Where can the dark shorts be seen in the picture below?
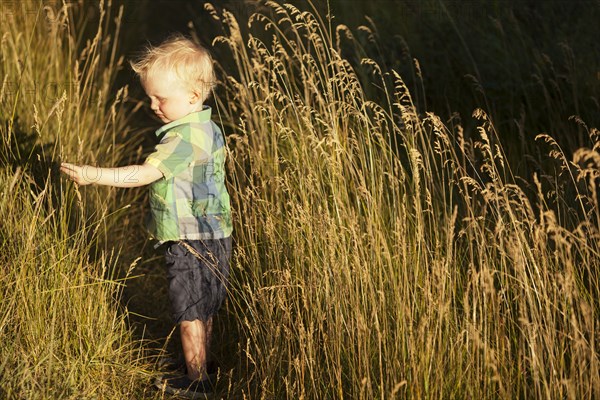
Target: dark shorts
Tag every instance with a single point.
(198, 278)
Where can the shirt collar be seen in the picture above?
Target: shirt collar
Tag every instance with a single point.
(197, 117)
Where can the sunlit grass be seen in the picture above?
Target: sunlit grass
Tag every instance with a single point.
(382, 254)
(64, 332)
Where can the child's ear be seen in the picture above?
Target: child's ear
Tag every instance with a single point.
(195, 97)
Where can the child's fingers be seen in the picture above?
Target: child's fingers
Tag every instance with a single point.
(67, 166)
(69, 169)
(75, 173)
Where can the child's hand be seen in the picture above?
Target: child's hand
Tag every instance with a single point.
(75, 172)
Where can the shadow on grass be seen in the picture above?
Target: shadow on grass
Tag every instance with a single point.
(22, 151)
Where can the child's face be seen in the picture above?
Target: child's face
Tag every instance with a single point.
(169, 98)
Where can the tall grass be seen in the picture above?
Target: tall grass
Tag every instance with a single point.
(63, 331)
(531, 67)
(385, 254)
(382, 253)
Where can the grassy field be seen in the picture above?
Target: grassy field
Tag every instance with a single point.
(381, 251)
(64, 331)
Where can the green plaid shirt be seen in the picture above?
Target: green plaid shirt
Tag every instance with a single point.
(190, 201)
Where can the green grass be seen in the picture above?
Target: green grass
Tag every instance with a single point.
(64, 329)
(381, 252)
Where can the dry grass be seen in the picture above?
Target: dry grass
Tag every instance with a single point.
(382, 254)
(64, 332)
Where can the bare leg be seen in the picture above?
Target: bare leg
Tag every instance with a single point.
(195, 336)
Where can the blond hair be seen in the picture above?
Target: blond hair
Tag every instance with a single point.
(188, 61)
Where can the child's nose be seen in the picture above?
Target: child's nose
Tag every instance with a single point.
(154, 105)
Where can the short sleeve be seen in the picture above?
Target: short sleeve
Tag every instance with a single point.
(171, 156)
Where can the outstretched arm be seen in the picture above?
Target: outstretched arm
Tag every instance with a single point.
(129, 176)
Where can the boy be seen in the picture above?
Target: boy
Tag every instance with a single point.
(188, 199)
